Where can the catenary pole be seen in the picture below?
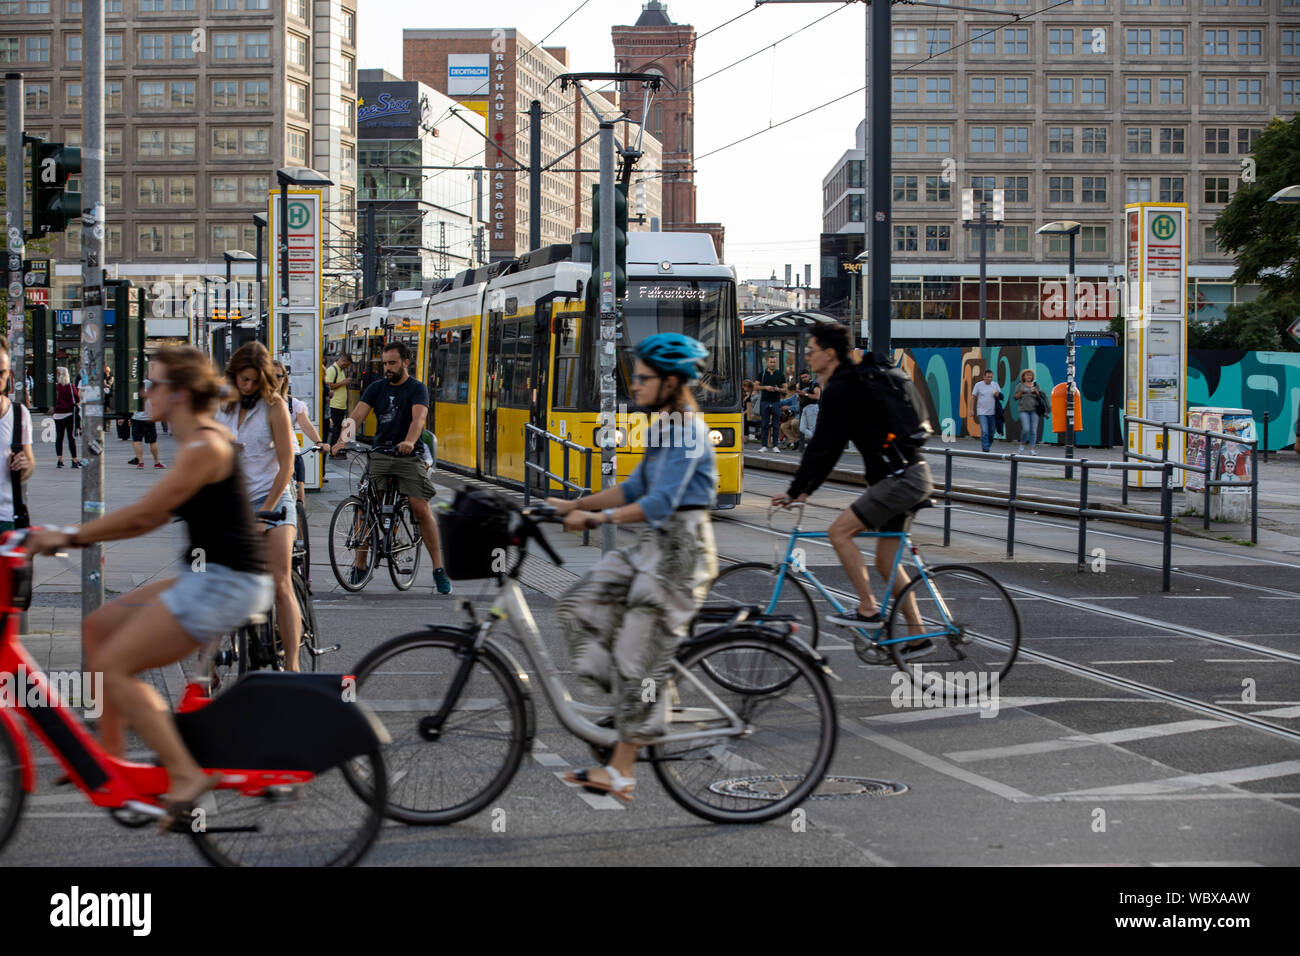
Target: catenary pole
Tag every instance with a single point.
(608, 322)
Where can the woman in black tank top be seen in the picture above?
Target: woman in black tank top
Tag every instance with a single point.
(224, 583)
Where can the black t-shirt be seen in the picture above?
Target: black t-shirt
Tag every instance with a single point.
(392, 405)
(771, 378)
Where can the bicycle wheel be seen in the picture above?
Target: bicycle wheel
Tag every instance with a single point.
(230, 661)
(305, 540)
(404, 548)
(753, 583)
(12, 794)
(787, 746)
(354, 543)
(971, 621)
(324, 822)
(439, 777)
(308, 650)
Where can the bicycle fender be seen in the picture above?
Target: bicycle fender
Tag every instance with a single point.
(525, 686)
(271, 720)
(14, 728)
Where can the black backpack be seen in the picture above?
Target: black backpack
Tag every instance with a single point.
(892, 390)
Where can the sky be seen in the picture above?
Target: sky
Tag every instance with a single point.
(767, 191)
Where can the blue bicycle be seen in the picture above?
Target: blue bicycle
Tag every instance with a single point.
(965, 616)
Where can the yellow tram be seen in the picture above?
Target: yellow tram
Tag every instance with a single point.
(515, 342)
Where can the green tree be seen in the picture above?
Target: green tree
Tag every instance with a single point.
(1264, 236)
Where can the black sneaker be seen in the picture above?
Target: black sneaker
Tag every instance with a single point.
(857, 619)
(916, 649)
(134, 461)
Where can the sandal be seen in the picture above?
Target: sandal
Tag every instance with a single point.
(618, 786)
(179, 813)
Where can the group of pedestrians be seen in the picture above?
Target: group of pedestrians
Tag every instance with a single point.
(1030, 404)
(785, 411)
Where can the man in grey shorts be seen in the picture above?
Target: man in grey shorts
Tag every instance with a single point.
(898, 478)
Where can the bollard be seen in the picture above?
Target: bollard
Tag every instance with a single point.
(947, 499)
(1254, 491)
(1209, 476)
(1167, 512)
(1011, 510)
(1266, 434)
(1123, 495)
(586, 453)
(1083, 506)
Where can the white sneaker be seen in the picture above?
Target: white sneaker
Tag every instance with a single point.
(1020, 450)
(1034, 452)
(777, 449)
(764, 449)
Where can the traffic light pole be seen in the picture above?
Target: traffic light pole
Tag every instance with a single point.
(92, 299)
(608, 323)
(14, 227)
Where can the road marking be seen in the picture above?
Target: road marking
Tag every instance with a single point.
(935, 763)
(1085, 740)
(1196, 597)
(550, 760)
(601, 802)
(1134, 662)
(1246, 660)
(1279, 712)
(1195, 781)
(935, 713)
(1015, 750)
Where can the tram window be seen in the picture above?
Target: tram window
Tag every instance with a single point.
(524, 366)
(453, 366)
(509, 335)
(567, 338)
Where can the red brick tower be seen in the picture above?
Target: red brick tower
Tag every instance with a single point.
(657, 45)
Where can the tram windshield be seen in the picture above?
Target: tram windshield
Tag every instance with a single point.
(701, 308)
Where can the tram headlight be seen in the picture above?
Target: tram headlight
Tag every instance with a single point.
(600, 434)
(722, 436)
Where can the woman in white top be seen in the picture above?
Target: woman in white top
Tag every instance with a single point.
(259, 419)
(297, 416)
(23, 462)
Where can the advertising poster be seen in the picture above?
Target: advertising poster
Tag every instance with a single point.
(1163, 372)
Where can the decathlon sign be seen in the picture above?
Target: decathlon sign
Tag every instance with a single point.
(467, 74)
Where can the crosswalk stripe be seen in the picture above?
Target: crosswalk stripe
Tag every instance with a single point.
(1279, 712)
(912, 715)
(1194, 781)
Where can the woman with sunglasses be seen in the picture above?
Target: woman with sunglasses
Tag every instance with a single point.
(259, 419)
(224, 583)
(297, 416)
(23, 462)
(624, 620)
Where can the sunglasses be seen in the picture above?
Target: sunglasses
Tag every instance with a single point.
(642, 379)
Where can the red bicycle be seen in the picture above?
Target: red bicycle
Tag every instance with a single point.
(277, 739)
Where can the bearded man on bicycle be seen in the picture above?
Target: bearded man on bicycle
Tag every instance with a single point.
(401, 406)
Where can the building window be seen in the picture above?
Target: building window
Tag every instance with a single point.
(225, 190)
(349, 72)
(37, 96)
(905, 139)
(1171, 189)
(298, 8)
(183, 6)
(255, 187)
(855, 208)
(180, 237)
(180, 142)
(1093, 239)
(1138, 140)
(1093, 41)
(1289, 88)
(905, 238)
(8, 49)
(151, 6)
(38, 49)
(1216, 189)
(905, 41)
(297, 145)
(938, 89)
(297, 51)
(1015, 238)
(1092, 189)
(151, 95)
(112, 47)
(149, 239)
(225, 5)
(182, 94)
(904, 189)
(257, 4)
(1138, 189)
(1060, 90)
(1015, 189)
(1216, 43)
(1171, 91)
(1250, 92)
(257, 46)
(983, 89)
(113, 143)
(1249, 43)
(225, 143)
(113, 190)
(1015, 89)
(349, 28)
(1137, 42)
(1172, 141)
(1060, 42)
(225, 94)
(257, 94)
(113, 96)
(1291, 42)
(906, 89)
(1216, 91)
(1138, 90)
(150, 143)
(938, 238)
(938, 40)
(149, 191)
(1060, 189)
(983, 42)
(73, 48)
(183, 46)
(1060, 139)
(256, 141)
(983, 139)
(936, 190)
(982, 188)
(1216, 139)
(71, 97)
(1092, 91)
(225, 46)
(1246, 140)
(1210, 241)
(1015, 41)
(938, 139)
(297, 98)
(1171, 43)
(1015, 139)
(153, 46)
(180, 190)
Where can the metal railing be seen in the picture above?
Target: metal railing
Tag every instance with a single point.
(1083, 513)
(534, 434)
(1206, 469)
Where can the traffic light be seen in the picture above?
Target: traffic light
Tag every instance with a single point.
(52, 206)
(620, 236)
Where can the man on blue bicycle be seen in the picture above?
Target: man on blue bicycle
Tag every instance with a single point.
(898, 478)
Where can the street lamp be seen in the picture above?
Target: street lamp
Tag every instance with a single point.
(983, 225)
(1067, 227)
(1288, 194)
(291, 176)
(260, 221)
(232, 256)
(205, 334)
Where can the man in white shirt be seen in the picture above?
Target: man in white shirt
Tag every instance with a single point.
(986, 395)
(144, 431)
(23, 462)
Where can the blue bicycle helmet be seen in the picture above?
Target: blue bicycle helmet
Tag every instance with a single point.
(671, 353)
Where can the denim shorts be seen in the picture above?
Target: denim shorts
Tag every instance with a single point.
(216, 600)
(288, 501)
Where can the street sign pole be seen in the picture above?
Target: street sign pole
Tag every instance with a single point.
(14, 223)
(608, 324)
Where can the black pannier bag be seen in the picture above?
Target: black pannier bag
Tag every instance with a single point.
(475, 534)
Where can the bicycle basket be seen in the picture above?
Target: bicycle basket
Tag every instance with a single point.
(475, 534)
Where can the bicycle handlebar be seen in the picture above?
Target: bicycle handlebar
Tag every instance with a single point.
(270, 516)
(772, 511)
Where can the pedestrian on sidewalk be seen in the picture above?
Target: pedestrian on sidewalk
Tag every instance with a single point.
(22, 463)
(144, 432)
(298, 416)
(769, 409)
(66, 399)
(986, 396)
(337, 382)
(790, 417)
(1033, 403)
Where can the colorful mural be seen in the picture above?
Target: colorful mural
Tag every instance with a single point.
(1259, 381)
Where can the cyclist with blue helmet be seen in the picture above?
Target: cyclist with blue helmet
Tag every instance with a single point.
(624, 620)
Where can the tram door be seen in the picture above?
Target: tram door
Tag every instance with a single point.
(493, 369)
(539, 376)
